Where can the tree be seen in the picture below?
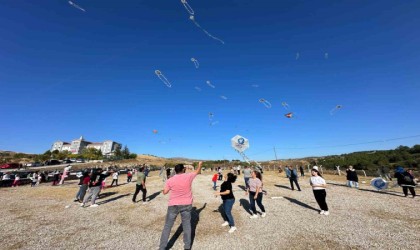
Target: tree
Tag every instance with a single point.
(125, 152)
(117, 151)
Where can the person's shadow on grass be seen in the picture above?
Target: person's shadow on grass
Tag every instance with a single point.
(245, 204)
(153, 196)
(195, 218)
(112, 199)
(300, 203)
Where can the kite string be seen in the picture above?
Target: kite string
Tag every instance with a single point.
(205, 31)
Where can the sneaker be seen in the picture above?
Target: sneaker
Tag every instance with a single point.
(94, 205)
(322, 212)
(225, 224)
(145, 202)
(263, 215)
(76, 200)
(82, 205)
(326, 213)
(232, 229)
(254, 216)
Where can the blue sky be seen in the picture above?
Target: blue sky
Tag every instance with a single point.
(66, 73)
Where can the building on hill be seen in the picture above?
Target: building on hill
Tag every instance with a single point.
(76, 146)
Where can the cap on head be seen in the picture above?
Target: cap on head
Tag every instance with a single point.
(315, 168)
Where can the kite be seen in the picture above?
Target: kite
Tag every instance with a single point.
(187, 7)
(326, 55)
(155, 131)
(196, 64)
(266, 103)
(223, 97)
(205, 31)
(163, 78)
(335, 109)
(210, 85)
(76, 6)
(289, 115)
(212, 123)
(285, 105)
(255, 85)
(198, 89)
(297, 56)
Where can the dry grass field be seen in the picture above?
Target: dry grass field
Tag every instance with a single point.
(46, 217)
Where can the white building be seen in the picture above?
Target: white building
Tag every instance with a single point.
(76, 146)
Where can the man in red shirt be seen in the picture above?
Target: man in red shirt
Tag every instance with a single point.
(180, 202)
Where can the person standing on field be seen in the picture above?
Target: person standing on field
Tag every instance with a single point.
(180, 202)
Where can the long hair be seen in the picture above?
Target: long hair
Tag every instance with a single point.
(258, 174)
(231, 178)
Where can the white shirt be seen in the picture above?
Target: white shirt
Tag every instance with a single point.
(115, 176)
(317, 180)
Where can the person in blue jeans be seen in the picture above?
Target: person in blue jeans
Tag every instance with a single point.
(228, 199)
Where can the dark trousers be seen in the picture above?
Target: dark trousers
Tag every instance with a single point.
(258, 200)
(116, 182)
(138, 188)
(220, 177)
(320, 196)
(295, 181)
(129, 178)
(173, 211)
(412, 191)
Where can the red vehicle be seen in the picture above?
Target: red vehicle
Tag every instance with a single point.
(10, 165)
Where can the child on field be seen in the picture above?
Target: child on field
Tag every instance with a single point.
(214, 180)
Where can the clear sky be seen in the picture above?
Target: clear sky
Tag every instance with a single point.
(66, 73)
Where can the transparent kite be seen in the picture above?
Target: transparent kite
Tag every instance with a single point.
(255, 85)
(210, 85)
(297, 56)
(76, 6)
(196, 64)
(198, 89)
(266, 103)
(335, 109)
(205, 31)
(163, 78)
(326, 55)
(223, 97)
(285, 105)
(211, 116)
(187, 7)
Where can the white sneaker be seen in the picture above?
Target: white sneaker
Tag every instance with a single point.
(94, 205)
(225, 224)
(263, 215)
(326, 213)
(82, 205)
(232, 229)
(254, 216)
(145, 202)
(322, 212)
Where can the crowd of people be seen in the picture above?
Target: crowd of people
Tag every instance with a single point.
(178, 184)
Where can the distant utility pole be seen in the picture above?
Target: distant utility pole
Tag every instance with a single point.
(275, 153)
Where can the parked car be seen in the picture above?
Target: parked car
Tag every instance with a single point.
(66, 161)
(10, 165)
(34, 164)
(80, 160)
(52, 162)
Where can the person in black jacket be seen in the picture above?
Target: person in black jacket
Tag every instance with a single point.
(352, 178)
(95, 183)
(405, 180)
